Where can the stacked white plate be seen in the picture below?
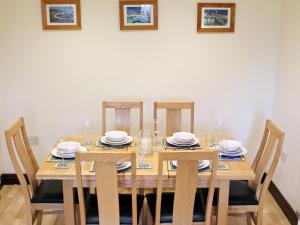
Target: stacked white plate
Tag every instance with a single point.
(232, 148)
(67, 149)
(116, 138)
(203, 164)
(183, 139)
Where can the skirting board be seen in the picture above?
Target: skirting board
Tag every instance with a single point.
(11, 179)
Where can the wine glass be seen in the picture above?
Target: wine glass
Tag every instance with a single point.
(218, 132)
(156, 137)
(87, 132)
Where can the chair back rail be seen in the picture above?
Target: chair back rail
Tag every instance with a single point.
(19, 148)
(186, 184)
(173, 115)
(268, 155)
(122, 114)
(107, 192)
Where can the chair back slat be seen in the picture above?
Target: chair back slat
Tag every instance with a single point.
(122, 114)
(107, 188)
(174, 115)
(186, 183)
(25, 160)
(173, 121)
(107, 184)
(19, 148)
(185, 189)
(122, 120)
(267, 159)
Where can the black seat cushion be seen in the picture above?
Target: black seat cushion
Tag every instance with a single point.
(125, 201)
(239, 194)
(49, 191)
(167, 202)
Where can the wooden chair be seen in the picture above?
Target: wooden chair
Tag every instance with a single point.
(185, 206)
(115, 208)
(122, 114)
(173, 117)
(39, 196)
(249, 197)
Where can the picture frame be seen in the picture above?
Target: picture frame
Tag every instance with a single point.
(216, 17)
(138, 14)
(61, 14)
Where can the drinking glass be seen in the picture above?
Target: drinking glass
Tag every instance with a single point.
(143, 144)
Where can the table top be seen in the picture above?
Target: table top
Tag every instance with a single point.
(237, 170)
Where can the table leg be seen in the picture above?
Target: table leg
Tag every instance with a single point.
(222, 217)
(69, 205)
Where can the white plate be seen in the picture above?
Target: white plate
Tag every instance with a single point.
(202, 164)
(116, 136)
(183, 137)
(68, 146)
(115, 142)
(124, 166)
(55, 153)
(105, 141)
(171, 141)
(242, 152)
(230, 145)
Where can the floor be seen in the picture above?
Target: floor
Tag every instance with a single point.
(12, 211)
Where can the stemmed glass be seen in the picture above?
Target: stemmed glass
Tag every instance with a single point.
(87, 132)
(156, 138)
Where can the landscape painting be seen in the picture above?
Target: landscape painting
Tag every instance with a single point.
(216, 17)
(138, 15)
(61, 14)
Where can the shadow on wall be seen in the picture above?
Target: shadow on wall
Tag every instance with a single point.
(255, 135)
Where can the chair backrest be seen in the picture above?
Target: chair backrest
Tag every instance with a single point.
(173, 115)
(19, 149)
(186, 184)
(269, 152)
(107, 184)
(122, 114)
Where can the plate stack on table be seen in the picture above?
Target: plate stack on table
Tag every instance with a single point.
(116, 139)
(182, 140)
(67, 149)
(231, 150)
(203, 164)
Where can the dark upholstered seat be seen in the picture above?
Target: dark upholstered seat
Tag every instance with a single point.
(125, 201)
(167, 202)
(239, 194)
(49, 191)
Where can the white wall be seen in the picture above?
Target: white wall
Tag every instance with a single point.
(57, 79)
(286, 101)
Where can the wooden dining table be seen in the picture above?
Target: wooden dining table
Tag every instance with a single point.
(146, 179)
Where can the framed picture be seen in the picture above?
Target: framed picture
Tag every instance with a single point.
(138, 15)
(61, 14)
(216, 17)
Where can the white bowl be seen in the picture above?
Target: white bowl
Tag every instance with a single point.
(116, 136)
(183, 137)
(68, 146)
(230, 145)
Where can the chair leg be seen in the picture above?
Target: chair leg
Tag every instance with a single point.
(259, 219)
(39, 218)
(249, 219)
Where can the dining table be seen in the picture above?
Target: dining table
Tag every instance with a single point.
(146, 178)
